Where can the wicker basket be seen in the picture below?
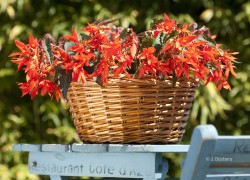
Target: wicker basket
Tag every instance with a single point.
(145, 111)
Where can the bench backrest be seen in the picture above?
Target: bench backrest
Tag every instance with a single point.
(213, 157)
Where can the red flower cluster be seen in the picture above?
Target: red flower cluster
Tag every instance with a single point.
(99, 51)
(39, 71)
(185, 51)
(104, 48)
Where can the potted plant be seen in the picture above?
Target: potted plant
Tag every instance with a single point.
(124, 87)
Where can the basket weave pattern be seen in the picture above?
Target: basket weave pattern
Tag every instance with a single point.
(131, 111)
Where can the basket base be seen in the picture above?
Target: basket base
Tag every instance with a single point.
(170, 137)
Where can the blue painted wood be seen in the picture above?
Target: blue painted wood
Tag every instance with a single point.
(233, 144)
(130, 165)
(46, 152)
(52, 177)
(27, 147)
(228, 177)
(171, 148)
(124, 165)
(39, 155)
(214, 157)
(94, 148)
(56, 148)
(201, 146)
(86, 148)
(209, 157)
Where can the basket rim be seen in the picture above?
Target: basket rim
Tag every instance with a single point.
(149, 79)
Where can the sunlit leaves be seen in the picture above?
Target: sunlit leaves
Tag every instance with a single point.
(209, 103)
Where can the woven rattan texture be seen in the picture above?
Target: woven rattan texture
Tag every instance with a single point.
(143, 111)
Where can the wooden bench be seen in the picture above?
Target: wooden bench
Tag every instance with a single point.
(213, 157)
(99, 160)
(209, 156)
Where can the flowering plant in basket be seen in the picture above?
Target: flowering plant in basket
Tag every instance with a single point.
(100, 51)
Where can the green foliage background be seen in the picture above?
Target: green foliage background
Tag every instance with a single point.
(46, 121)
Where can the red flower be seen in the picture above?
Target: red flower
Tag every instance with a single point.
(185, 40)
(31, 88)
(150, 63)
(101, 51)
(73, 37)
(147, 53)
(91, 29)
(33, 42)
(168, 24)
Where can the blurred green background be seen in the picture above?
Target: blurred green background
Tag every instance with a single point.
(46, 121)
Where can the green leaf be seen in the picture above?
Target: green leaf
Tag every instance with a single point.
(47, 49)
(174, 79)
(209, 41)
(172, 34)
(97, 55)
(93, 63)
(67, 45)
(159, 42)
(63, 79)
(105, 22)
(98, 80)
(84, 36)
(154, 22)
(147, 42)
(125, 32)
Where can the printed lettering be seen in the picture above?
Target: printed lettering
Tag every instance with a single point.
(98, 169)
(139, 173)
(101, 169)
(81, 168)
(241, 147)
(122, 171)
(59, 169)
(132, 173)
(70, 169)
(53, 169)
(94, 169)
(91, 170)
(44, 168)
(246, 148)
(76, 169)
(111, 170)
